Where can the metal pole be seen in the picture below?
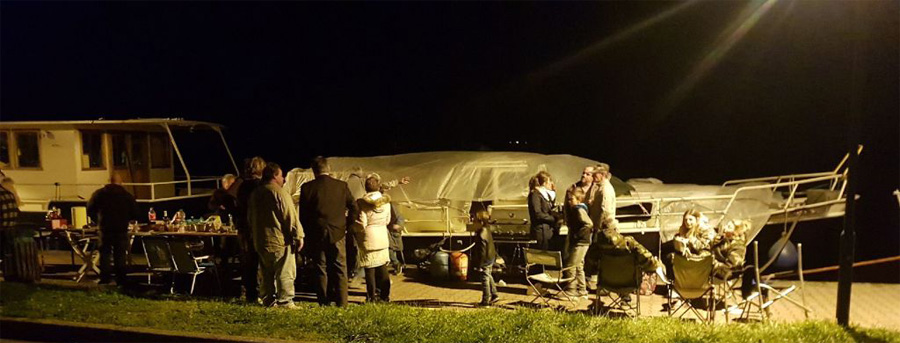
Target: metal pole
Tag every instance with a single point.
(848, 245)
(848, 235)
(180, 158)
(228, 150)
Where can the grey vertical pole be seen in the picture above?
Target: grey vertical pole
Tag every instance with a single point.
(848, 235)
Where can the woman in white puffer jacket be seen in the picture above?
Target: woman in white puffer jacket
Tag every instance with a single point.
(372, 237)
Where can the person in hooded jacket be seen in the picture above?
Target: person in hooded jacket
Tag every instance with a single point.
(371, 229)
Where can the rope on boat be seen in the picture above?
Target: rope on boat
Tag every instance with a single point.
(832, 268)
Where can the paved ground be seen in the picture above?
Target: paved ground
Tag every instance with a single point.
(873, 305)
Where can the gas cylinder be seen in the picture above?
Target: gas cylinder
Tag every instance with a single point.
(459, 262)
(440, 265)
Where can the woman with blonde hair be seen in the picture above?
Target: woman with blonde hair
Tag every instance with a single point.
(695, 235)
(373, 239)
(729, 247)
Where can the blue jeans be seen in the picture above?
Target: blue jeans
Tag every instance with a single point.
(489, 287)
(576, 258)
(279, 272)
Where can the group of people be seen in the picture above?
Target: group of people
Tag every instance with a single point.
(329, 218)
(589, 212)
(273, 228)
(697, 239)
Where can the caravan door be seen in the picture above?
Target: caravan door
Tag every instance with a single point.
(130, 159)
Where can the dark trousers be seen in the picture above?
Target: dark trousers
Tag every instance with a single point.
(542, 234)
(378, 283)
(113, 250)
(249, 269)
(330, 260)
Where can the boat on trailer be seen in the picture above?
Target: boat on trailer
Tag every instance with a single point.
(61, 163)
(447, 187)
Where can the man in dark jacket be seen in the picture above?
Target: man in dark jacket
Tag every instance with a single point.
(222, 202)
(484, 254)
(249, 257)
(113, 208)
(325, 205)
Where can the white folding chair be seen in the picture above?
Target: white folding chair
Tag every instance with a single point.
(554, 277)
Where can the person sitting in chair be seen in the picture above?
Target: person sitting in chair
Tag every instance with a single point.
(694, 237)
(610, 240)
(729, 248)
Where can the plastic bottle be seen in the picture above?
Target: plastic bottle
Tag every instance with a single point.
(151, 216)
(165, 216)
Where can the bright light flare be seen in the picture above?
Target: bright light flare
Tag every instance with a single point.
(747, 19)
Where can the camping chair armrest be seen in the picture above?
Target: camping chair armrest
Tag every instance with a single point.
(200, 258)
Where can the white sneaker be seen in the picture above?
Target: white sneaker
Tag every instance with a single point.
(288, 305)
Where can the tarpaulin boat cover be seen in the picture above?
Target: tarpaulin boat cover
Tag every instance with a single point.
(456, 175)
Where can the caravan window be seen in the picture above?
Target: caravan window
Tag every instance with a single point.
(27, 149)
(4, 148)
(92, 150)
(160, 153)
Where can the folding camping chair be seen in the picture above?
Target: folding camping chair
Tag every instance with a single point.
(159, 259)
(187, 263)
(692, 282)
(726, 289)
(757, 303)
(544, 258)
(619, 274)
(84, 245)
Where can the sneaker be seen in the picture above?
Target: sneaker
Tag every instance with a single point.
(662, 275)
(287, 305)
(495, 298)
(483, 304)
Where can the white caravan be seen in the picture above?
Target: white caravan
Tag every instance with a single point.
(66, 161)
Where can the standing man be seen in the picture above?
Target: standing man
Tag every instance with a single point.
(601, 202)
(277, 236)
(222, 201)
(585, 183)
(249, 258)
(113, 208)
(325, 205)
(9, 213)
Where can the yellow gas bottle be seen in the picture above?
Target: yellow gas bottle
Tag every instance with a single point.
(459, 263)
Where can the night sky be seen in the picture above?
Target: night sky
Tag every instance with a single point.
(685, 92)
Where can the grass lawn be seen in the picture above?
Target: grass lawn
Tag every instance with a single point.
(395, 323)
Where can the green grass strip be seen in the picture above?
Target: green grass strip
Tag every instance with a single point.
(396, 323)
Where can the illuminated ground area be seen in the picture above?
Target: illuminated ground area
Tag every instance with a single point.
(873, 304)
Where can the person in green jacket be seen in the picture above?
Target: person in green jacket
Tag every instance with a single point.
(277, 236)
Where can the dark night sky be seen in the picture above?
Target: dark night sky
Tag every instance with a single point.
(599, 80)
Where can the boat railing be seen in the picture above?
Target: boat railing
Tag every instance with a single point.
(35, 193)
(840, 169)
(792, 201)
